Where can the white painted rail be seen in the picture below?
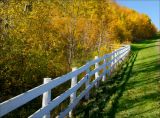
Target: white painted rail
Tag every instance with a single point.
(110, 61)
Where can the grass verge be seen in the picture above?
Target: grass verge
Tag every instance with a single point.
(133, 92)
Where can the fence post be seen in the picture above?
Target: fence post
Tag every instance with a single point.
(46, 97)
(73, 95)
(104, 71)
(118, 57)
(96, 73)
(121, 56)
(87, 83)
(115, 60)
(108, 67)
(112, 63)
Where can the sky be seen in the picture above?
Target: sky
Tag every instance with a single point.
(149, 7)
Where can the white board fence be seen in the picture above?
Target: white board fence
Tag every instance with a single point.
(110, 62)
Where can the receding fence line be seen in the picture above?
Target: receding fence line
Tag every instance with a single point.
(110, 62)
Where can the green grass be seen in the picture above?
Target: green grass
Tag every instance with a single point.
(132, 93)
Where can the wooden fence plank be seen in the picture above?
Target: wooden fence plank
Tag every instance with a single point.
(55, 102)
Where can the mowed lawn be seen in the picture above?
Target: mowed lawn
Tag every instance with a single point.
(141, 97)
(134, 92)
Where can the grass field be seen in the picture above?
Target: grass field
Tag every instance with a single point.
(134, 92)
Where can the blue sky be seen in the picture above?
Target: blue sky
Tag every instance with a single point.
(149, 7)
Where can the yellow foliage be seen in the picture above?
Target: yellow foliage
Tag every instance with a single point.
(45, 38)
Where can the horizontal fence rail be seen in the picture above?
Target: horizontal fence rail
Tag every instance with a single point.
(110, 62)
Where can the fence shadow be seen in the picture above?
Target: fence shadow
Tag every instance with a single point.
(123, 77)
(104, 100)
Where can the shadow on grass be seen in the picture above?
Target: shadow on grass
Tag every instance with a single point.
(108, 93)
(142, 44)
(135, 48)
(148, 41)
(147, 111)
(138, 101)
(104, 101)
(124, 77)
